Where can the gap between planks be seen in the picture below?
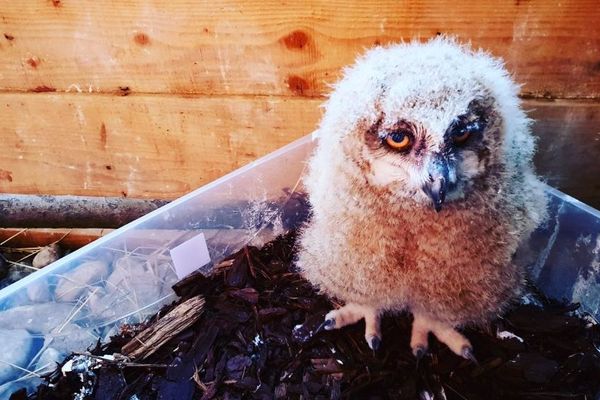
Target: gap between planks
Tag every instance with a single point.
(39, 237)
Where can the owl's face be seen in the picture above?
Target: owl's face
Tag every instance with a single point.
(427, 122)
(433, 151)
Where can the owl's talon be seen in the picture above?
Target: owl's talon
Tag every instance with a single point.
(329, 324)
(419, 352)
(467, 354)
(350, 314)
(444, 332)
(418, 338)
(374, 343)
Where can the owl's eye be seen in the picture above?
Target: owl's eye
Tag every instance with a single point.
(461, 136)
(398, 140)
(462, 132)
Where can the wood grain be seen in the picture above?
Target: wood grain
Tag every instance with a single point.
(43, 211)
(68, 238)
(161, 147)
(270, 47)
(157, 147)
(166, 328)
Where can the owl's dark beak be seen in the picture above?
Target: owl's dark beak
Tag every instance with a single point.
(439, 176)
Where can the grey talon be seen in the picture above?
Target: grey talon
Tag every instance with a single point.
(375, 343)
(329, 324)
(419, 352)
(467, 353)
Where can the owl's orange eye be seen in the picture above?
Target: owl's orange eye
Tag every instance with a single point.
(398, 140)
(462, 131)
(461, 138)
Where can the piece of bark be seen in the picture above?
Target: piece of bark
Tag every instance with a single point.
(151, 339)
(237, 275)
(249, 295)
(192, 285)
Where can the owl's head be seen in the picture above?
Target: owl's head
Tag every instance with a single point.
(432, 122)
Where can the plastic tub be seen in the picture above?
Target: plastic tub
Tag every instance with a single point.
(126, 276)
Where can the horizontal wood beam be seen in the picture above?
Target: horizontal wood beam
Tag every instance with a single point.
(153, 147)
(34, 237)
(161, 147)
(270, 47)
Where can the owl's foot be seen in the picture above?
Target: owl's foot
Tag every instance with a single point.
(445, 333)
(352, 313)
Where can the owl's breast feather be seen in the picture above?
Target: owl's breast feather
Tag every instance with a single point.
(456, 262)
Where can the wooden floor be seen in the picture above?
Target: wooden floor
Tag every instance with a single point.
(152, 99)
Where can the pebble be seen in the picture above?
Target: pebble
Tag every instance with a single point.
(132, 286)
(48, 360)
(71, 338)
(47, 255)
(17, 349)
(39, 292)
(79, 282)
(36, 318)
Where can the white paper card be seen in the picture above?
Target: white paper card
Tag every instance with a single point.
(190, 255)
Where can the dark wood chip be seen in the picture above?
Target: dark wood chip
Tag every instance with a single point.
(265, 314)
(237, 275)
(249, 295)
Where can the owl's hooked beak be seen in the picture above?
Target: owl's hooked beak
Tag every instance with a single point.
(439, 180)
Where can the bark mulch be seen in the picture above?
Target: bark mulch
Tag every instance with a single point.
(252, 330)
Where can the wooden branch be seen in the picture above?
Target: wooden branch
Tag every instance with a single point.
(17, 210)
(151, 339)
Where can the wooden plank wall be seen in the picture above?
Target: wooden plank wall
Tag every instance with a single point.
(154, 98)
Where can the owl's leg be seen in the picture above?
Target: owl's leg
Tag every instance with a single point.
(419, 337)
(445, 333)
(352, 313)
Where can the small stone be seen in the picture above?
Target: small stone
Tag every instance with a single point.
(71, 338)
(47, 255)
(37, 318)
(129, 290)
(48, 360)
(39, 292)
(79, 282)
(16, 350)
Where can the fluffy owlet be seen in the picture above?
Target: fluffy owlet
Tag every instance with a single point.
(421, 188)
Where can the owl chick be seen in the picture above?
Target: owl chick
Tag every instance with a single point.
(421, 188)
